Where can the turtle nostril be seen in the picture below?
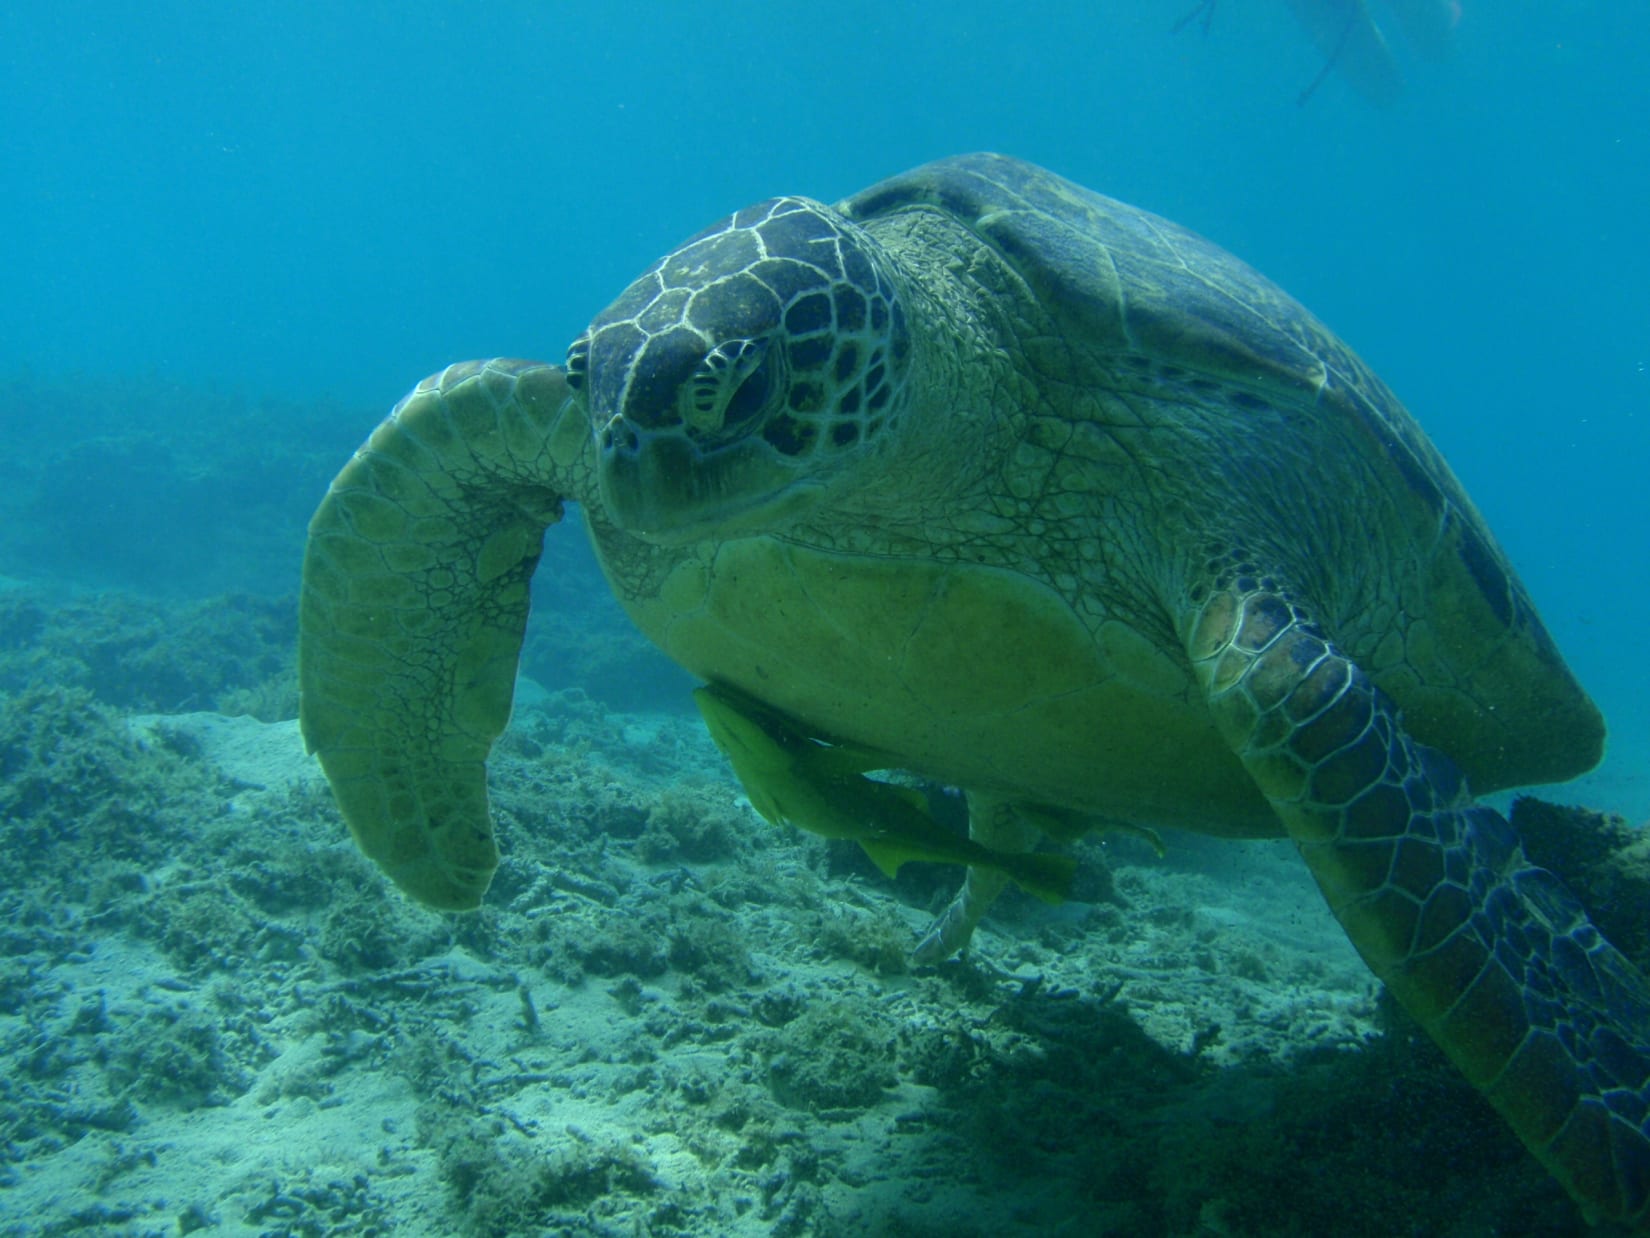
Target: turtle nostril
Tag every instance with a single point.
(618, 435)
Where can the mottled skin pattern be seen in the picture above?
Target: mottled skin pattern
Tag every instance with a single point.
(1057, 503)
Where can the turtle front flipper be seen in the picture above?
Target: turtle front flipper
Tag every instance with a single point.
(1493, 956)
(414, 601)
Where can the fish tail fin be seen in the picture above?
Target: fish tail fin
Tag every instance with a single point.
(1043, 876)
(887, 856)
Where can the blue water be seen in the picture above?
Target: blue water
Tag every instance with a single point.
(232, 235)
(317, 202)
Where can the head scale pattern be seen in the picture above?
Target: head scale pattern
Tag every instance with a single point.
(779, 323)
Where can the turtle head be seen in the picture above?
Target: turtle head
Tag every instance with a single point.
(731, 383)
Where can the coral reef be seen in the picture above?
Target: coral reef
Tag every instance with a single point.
(232, 654)
(673, 1019)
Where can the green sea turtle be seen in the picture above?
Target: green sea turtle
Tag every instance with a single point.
(1047, 499)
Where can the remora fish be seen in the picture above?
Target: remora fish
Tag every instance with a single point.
(822, 788)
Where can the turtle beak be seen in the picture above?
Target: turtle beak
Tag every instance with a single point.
(647, 479)
(666, 488)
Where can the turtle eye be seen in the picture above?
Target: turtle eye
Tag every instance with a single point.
(730, 386)
(752, 396)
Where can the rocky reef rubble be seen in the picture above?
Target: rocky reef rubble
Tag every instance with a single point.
(669, 1018)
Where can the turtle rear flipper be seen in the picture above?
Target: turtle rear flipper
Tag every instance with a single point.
(1491, 954)
(1001, 825)
(414, 601)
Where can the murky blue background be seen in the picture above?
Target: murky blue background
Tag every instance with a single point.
(319, 204)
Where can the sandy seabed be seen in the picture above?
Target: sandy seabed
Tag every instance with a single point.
(671, 1019)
